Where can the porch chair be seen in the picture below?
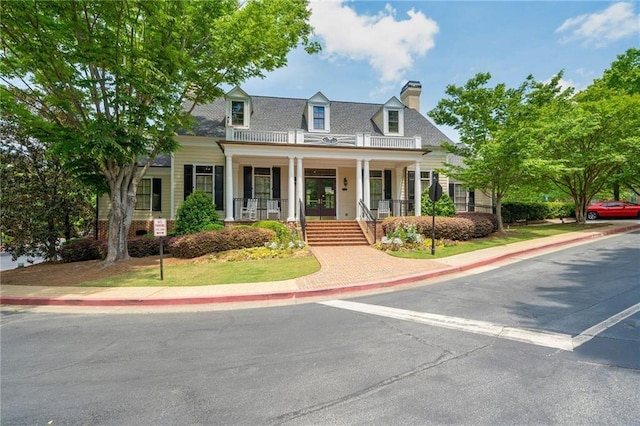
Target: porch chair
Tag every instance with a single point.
(251, 210)
(383, 209)
(273, 208)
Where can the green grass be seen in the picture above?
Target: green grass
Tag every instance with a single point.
(214, 273)
(514, 235)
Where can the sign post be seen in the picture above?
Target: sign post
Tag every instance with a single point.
(160, 230)
(435, 193)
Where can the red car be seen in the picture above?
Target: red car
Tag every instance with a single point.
(613, 209)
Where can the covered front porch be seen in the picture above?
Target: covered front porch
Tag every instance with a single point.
(263, 181)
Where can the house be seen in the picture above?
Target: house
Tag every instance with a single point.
(282, 158)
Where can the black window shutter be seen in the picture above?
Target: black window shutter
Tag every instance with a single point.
(452, 190)
(387, 184)
(411, 185)
(156, 194)
(188, 180)
(218, 185)
(248, 188)
(275, 176)
(472, 201)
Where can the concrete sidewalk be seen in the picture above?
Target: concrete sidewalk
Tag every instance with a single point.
(345, 270)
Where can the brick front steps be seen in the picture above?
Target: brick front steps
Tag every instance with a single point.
(335, 233)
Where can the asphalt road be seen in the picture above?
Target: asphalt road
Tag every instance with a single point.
(550, 340)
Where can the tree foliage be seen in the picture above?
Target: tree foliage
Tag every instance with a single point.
(592, 141)
(107, 82)
(41, 201)
(494, 124)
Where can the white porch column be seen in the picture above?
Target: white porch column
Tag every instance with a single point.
(418, 191)
(398, 192)
(291, 208)
(358, 189)
(228, 189)
(367, 185)
(299, 186)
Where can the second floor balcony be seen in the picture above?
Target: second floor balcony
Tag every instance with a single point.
(295, 137)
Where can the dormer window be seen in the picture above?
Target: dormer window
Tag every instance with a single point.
(238, 108)
(318, 118)
(393, 119)
(318, 113)
(237, 113)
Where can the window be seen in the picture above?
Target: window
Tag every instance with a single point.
(237, 113)
(148, 196)
(375, 187)
(459, 197)
(318, 117)
(394, 121)
(204, 179)
(425, 181)
(262, 183)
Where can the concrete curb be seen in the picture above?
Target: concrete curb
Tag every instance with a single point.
(300, 294)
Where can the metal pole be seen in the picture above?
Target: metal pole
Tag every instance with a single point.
(161, 265)
(433, 227)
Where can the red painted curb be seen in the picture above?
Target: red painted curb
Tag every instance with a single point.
(289, 295)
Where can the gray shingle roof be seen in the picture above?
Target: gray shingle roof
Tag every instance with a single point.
(282, 114)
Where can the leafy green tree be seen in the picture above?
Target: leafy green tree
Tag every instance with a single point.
(196, 213)
(41, 200)
(111, 82)
(584, 141)
(622, 78)
(494, 128)
(444, 206)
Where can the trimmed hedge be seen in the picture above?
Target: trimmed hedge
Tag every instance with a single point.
(450, 228)
(485, 223)
(514, 211)
(195, 245)
(147, 246)
(83, 249)
(283, 234)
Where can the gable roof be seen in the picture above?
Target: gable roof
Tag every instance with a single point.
(283, 114)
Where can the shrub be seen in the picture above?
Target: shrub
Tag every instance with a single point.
(485, 223)
(283, 235)
(83, 249)
(213, 227)
(449, 228)
(444, 206)
(514, 211)
(195, 213)
(195, 245)
(146, 246)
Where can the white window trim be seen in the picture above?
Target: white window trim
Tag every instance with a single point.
(150, 195)
(400, 122)
(247, 113)
(213, 178)
(327, 117)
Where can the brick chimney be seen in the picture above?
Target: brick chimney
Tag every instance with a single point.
(410, 94)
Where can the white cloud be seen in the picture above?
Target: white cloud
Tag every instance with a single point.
(389, 45)
(601, 28)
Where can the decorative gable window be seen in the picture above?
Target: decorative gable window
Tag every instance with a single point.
(238, 108)
(318, 113)
(390, 118)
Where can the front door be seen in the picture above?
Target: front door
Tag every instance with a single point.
(320, 197)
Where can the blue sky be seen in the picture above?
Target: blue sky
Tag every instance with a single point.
(371, 48)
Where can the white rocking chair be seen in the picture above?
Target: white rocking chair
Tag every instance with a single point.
(383, 209)
(273, 209)
(250, 212)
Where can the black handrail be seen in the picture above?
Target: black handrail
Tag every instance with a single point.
(303, 221)
(370, 220)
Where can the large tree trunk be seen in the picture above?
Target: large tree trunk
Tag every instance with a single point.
(123, 200)
(581, 209)
(499, 213)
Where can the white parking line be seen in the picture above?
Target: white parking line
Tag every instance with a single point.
(561, 341)
(592, 332)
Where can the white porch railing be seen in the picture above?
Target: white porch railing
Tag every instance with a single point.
(327, 139)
